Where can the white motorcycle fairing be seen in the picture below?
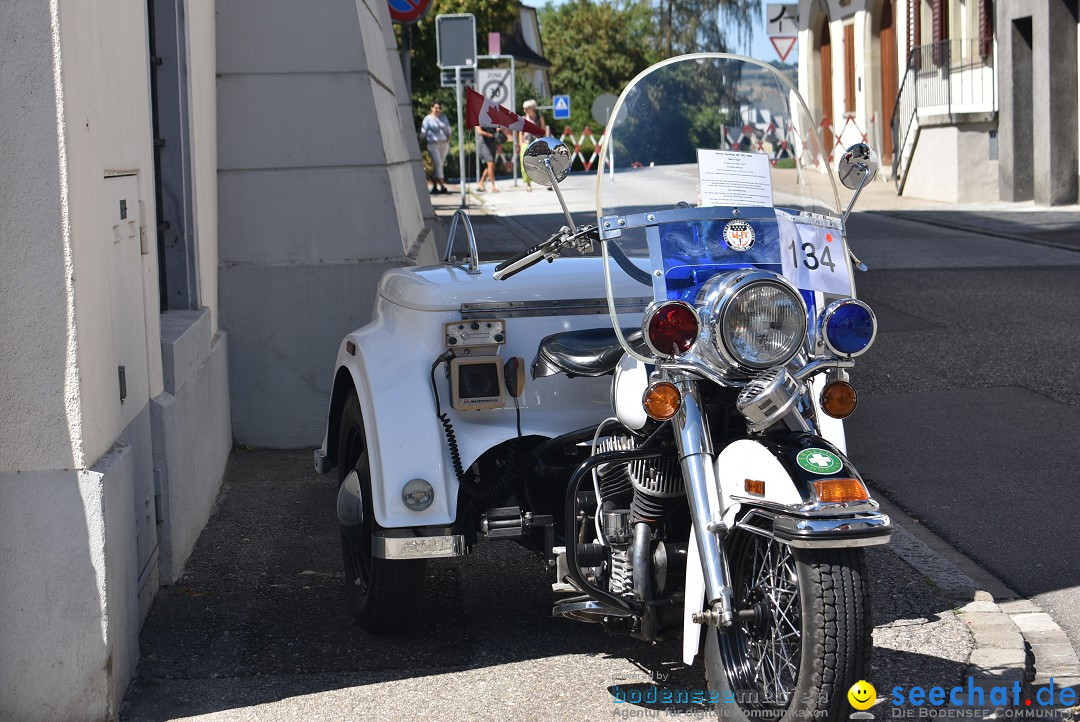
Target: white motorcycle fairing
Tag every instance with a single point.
(395, 383)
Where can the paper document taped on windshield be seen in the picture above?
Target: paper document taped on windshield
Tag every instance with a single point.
(734, 178)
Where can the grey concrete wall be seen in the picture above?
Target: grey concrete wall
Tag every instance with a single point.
(978, 173)
(320, 190)
(1038, 91)
(191, 431)
(69, 596)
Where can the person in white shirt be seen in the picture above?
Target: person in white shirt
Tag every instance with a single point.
(435, 131)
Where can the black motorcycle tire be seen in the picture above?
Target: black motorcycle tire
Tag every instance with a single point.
(834, 640)
(383, 594)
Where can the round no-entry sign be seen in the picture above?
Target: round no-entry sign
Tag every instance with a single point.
(408, 11)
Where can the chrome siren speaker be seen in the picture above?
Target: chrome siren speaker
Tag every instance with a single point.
(767, 398)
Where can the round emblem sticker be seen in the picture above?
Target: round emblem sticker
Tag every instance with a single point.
(819, 461)
(739, 235)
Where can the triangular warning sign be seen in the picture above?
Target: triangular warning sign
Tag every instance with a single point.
(560, 103)
(783, 47)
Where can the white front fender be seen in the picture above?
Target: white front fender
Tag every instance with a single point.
(739, 461)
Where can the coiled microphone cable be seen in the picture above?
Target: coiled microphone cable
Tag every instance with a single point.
(444, 419)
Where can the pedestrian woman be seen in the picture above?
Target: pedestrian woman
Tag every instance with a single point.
(533, 115)
(435, 131)
(488, 148)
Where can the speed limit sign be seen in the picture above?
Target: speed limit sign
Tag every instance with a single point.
(496, 84)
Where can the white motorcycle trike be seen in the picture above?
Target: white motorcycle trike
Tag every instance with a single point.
(659, 422)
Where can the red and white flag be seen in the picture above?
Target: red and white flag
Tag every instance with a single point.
(480, 110)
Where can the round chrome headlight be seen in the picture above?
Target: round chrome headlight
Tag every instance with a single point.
(760, 319)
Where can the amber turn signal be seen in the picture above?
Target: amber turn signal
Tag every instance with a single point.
(839, 399)
(662, 400)
(755, 487)
(840, 490)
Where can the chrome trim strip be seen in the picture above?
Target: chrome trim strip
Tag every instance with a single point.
(418, 547)
(322, 465)
(553, 307)
(820, 365)
(849, 531)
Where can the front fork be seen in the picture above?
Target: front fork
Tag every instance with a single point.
(696, 457)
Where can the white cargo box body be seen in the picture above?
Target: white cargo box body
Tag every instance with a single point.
(393, 380)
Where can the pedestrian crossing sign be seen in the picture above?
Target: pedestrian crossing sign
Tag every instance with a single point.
(561, 105)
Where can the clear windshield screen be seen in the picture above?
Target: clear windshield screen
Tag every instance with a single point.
(714, 163)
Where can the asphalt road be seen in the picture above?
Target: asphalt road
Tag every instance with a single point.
(968, 420)
(968, 414)
(257, 628)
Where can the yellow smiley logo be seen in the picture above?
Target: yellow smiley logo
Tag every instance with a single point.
(862, 695)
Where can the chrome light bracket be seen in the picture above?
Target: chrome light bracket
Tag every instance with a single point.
(827, 315)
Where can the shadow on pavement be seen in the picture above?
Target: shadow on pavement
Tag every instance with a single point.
(260, 616)
(1046, 226)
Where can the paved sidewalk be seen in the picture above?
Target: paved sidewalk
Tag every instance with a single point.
(257, 628)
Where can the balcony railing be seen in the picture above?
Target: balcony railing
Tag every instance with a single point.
(941, 79)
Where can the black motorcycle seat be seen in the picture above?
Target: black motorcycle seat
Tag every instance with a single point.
(585, 352)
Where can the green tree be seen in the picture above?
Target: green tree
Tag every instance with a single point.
(691, 26)
(595, 48)
(491, 16)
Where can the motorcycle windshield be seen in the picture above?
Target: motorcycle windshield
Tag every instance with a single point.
(714, 163)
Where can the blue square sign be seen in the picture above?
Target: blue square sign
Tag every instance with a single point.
(561, 105)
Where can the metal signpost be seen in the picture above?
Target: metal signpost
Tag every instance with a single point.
(455, 39)
(497, 84)
(601, 113)
(405, 13)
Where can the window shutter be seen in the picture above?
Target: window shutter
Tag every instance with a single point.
(941, 21)
(986, 29)
(941, 32)
(914, 6)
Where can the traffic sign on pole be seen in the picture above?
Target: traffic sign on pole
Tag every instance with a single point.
(408, 11)
(783, 46)
(561, 106)
(602, 107)
(496, 84)
(455, 40)
(446, 78)
(783, 20)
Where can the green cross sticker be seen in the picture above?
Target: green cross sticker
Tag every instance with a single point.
(819, 461)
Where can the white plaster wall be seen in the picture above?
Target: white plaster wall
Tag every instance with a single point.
(76, 495)
(933, 173)
(107, 130)
(54, 664)
(36, 427)
(202, 76)
(977, 174)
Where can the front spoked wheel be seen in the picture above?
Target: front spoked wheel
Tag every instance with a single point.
(809, 639)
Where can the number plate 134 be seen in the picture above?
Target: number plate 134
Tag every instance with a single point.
(814, 260)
